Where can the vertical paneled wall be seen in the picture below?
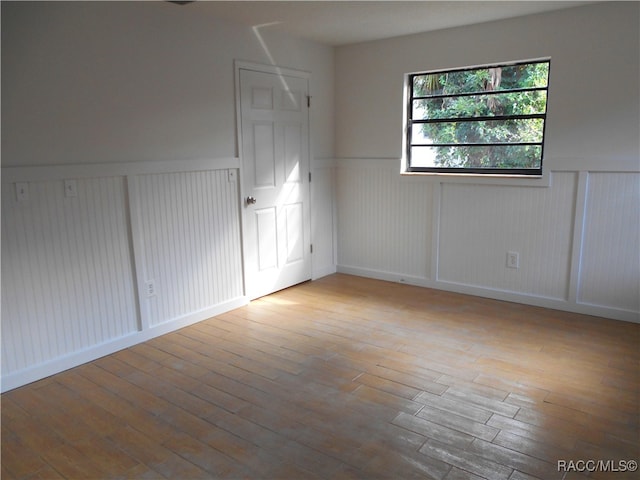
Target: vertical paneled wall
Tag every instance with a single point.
(455, 236)
(480, 224)
(189, 235)
(611, 249)
(384, 221)
(76, 269)
(67, 281)
(323, 217)
(577, 238)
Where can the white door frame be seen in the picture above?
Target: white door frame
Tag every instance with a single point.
(276, 70)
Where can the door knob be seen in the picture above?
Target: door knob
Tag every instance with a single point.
(251, 200)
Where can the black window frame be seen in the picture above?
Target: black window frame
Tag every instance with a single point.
(409, 121)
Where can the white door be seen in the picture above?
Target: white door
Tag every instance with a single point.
(274, 122)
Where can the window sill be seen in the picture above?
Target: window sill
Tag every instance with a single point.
(543, 180)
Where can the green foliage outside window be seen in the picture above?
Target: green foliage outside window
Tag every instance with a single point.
(483, 118)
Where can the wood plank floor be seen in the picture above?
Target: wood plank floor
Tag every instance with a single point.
(343, 377)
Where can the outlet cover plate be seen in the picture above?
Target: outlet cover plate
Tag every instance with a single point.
(513, 260)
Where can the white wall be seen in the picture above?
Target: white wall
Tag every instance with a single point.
(593, 91)
(136, 102)
(577, 238)
(94, 82)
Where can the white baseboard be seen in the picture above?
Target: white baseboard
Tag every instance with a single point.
(38, 372)
(323, 271)
(193, 317)
(382, 275)
(504, 295)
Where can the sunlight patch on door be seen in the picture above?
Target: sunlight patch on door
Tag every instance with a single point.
(294, 228)
(291, 100)
(292, 147)
(265, 158)
(266, 228)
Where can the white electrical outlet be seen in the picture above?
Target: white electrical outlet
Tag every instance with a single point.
(150, 288)
(22, 191)
(513, 260)
(70, 188)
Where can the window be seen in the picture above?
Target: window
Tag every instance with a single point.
(481, 120)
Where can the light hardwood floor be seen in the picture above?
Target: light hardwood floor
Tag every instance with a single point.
(343, 377)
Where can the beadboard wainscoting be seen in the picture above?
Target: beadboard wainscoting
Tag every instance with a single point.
(611, 242)
(323, 217)
(132, 252)
(187, 233)
(67, 276)
(384, 222)
(577, 239)
(136, 250)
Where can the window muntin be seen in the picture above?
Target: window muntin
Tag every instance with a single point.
(488, 119)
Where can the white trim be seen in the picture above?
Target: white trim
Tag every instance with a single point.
(194, 317)
(37, 372)
(565, 164)
(551, 164)
(539, 301)
(496, 294)
(543, 180)
(580, 211)
(60, 364)
(383, 275)
(435, 230)
(265, 68)
(139, 260)
(241, 193)
(38, 173)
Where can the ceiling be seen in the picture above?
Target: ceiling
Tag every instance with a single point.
(344, 22)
